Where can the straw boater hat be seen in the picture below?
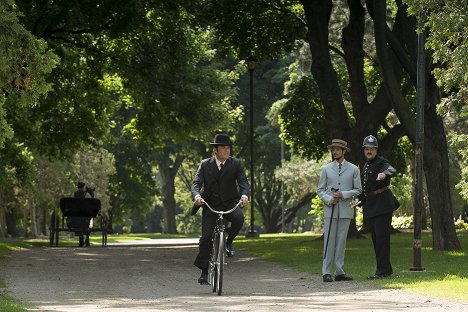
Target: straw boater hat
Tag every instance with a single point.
(339, 143)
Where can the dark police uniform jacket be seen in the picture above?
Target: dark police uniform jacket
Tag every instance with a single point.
(221, 190)
(377, 198)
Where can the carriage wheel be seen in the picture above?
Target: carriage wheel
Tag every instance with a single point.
(52, 229)
(57, 231)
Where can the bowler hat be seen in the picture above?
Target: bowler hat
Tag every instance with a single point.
(221, 139)
(339, 143)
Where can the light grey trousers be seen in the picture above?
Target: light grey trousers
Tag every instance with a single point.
(336, 245)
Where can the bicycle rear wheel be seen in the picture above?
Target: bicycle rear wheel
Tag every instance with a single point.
(212, 270)
(220, 262)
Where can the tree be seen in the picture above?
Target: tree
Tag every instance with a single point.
(436, 163)
(179, 93)
(447, 23)
(25, 65)
(300, 178)
(161, 55)
(394, 55)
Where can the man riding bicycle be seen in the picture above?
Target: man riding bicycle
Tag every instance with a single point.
(221, 182)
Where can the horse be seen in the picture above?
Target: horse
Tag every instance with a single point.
(90, 191)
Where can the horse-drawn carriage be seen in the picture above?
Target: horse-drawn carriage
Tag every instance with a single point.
(78, 215)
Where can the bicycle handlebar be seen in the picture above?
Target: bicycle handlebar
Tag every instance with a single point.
(221, 212)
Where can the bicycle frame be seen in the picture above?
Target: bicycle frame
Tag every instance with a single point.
(218, 251)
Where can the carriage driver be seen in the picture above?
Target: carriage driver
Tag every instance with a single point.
(82, 193)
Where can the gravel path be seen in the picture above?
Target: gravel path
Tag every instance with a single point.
(138, 276)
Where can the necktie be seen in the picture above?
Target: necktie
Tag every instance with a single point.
(339, 168)
(221, 165)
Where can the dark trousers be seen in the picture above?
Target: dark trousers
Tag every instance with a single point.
(208, 224)
(381, 227)
(82, 242)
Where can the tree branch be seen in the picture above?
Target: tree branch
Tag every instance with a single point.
(378, 8)
(283, 10)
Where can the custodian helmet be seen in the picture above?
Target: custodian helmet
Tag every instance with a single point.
(370, 141)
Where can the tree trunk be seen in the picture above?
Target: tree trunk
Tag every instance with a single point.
(41, 219)
(168, 174)
(436, 168)
(11, 223)
(3, 229)
(369, 117)
(435, 149)
(318, 16)
(26, 217)
(114, 203)
(168, 199)
(154, 223)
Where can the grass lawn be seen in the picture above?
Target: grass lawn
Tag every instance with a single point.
(446, 273)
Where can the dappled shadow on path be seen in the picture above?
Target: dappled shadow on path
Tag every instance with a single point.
(162, 277)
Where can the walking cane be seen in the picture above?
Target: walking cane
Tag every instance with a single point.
(329, 227)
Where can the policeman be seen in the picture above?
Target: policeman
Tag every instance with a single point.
(379, 204)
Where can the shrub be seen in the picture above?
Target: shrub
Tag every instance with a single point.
(402, 222)
(460, 224)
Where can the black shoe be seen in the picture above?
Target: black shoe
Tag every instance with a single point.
(203, 279)
(327, 278)
(343, 277)
(378, 276)
(229, 251)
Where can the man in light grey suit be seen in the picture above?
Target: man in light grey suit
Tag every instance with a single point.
(339, 182)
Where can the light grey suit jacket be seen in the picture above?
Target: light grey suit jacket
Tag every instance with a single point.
(348, 181)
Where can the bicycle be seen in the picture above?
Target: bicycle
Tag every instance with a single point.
(218, 251)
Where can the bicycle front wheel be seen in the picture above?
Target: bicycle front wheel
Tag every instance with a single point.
(213, 270)
(220, 262)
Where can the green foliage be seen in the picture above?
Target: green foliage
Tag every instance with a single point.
(26, 63)
(460, 142)
(317, 211)
(133, 186)
(246, 28)
(94, 167)
(76, 111)
(302, 118)
(179, 92)
(299, 176)
(188, 224)
(461, 225)
(16, 164)
(402, 222)
(400, 155)
(447, 24)
(402, 188)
